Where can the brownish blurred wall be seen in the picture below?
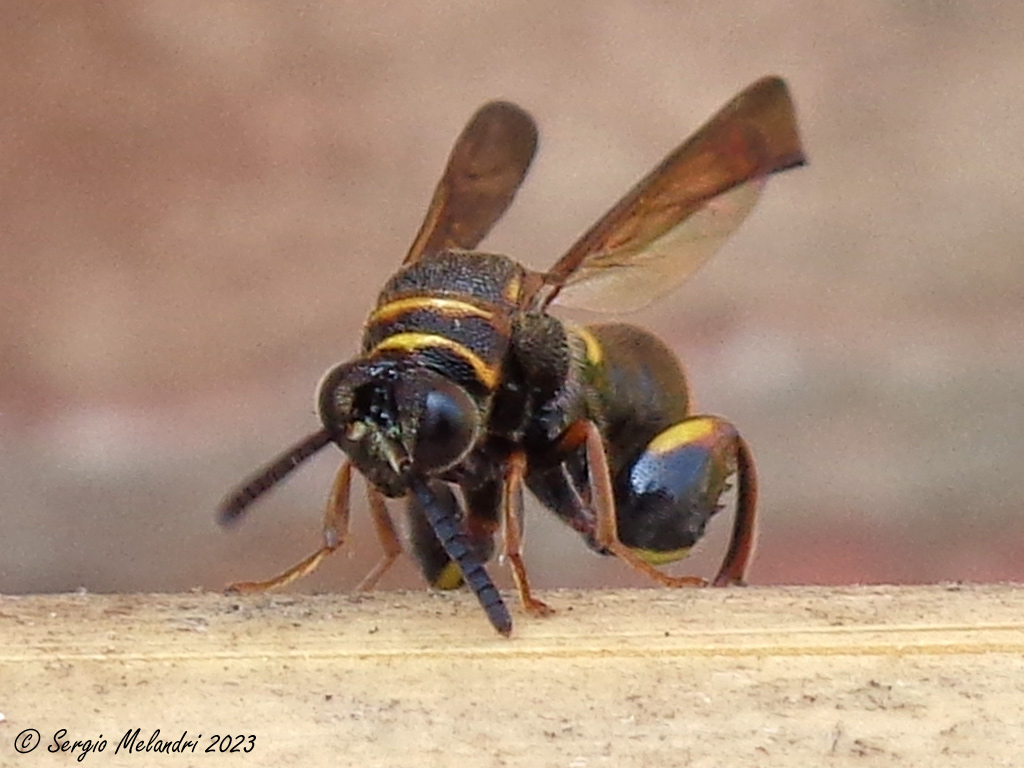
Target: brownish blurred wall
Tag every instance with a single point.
(198, 203)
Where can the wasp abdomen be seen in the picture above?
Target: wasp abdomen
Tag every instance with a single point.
(636, 387)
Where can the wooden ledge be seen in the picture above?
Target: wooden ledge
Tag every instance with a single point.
(757, 676)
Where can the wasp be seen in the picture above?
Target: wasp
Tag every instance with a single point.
(466, 389)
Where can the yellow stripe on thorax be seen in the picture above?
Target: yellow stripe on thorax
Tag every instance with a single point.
(594, 352)
(413, 341)
(513, 289)
(439, 304)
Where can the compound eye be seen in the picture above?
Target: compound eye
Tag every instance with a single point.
(446, 428)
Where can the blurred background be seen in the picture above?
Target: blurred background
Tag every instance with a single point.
(199, 203)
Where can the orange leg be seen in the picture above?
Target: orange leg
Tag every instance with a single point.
(741, 546)
(336, 525)
(606, 529)
(386, 534)
(512, 540)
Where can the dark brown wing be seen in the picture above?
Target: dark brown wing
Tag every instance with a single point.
(487, 164)
(675, 218)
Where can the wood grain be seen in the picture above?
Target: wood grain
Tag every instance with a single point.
(759, 676)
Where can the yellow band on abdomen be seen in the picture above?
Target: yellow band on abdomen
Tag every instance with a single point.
(683, 433)
(449, 578)
(656, 557)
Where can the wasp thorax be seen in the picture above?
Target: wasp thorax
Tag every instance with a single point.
(394, 418)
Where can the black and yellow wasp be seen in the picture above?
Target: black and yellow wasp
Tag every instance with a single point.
(466, 387)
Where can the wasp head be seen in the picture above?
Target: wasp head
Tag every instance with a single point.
(395, 418)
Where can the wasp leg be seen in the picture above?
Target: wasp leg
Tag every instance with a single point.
(386, 535)
(336, 525)
(741, 546)
(512, 539)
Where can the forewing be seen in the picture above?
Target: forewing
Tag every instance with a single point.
(486, 166)
(677, 217)
(624, 280)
